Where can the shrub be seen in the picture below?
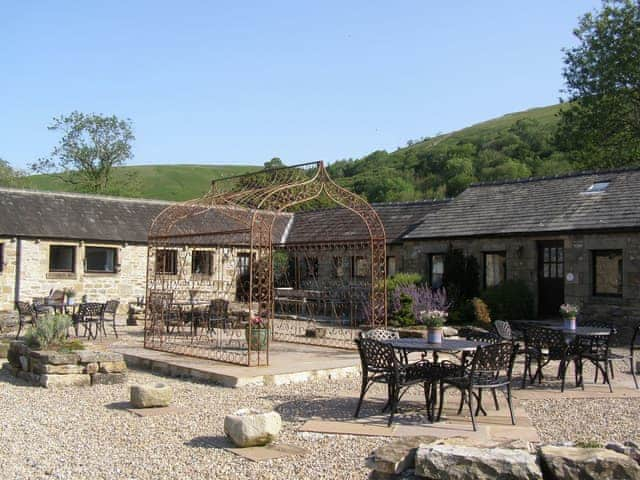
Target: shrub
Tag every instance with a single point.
(481, 311)
(423, 297)
(462, 314)
(403, 280)
(404, 316)
(511, 300)
(48, 331)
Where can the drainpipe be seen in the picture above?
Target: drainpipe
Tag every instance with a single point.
(16, 289)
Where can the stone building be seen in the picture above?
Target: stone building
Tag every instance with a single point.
(572, 239)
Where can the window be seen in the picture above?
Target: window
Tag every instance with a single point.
(553, 262)
(167, 262)
(338, 267)
(392, 267)
(607, 272)
(62, 258)
(495, 268)
(598, 187)
(359, 267)
(100, 260)
(309, 268)
(1, 257)
(202, 262)
(436, 270)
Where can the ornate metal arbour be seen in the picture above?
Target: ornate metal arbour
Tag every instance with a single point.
(245, 222)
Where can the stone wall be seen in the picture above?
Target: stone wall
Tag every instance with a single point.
(8, 273)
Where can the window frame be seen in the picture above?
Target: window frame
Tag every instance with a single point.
(98, 247)
(210, 263)
(430, 268)
(594, 272)
(164, 251)
(502, 253)
(354, 267)
(73, 258)
(1, 257)
(391, 258)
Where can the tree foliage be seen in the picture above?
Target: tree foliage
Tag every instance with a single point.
(9, 177)
(90, 148)
(601, 128)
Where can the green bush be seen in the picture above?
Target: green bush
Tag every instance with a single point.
(403, 280)
(48, 331)
(404, 317)
(511, 300)
(462, 314)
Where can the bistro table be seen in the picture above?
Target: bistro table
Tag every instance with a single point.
(582, 331)
(448, 345)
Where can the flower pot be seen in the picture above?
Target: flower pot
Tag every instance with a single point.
(257, 339)
(569, 323)
(434, 335)
(71, 301)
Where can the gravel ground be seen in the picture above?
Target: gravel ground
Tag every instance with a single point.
(76, 433)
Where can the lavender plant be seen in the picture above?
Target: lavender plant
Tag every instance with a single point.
(423, 297)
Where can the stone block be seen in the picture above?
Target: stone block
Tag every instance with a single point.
(29, 377)
(40, 368)
(4, 350)
(54, 358)
(19, 347)
(108, 378)
(108, 357)
(398, 455)
(71, 380)
(24, 362)
(113, 367)
(87, 356)
(459, 462)
(91, 368)
(573, 463)
(152, 395)
(250, 428)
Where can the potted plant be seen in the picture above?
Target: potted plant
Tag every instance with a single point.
(434, 320)
(257, 333)
(71, 295)
(569, 313)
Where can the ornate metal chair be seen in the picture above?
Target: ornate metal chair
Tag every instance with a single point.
(380, 365)
(110, 310)
(218, 314)
(88, 313)
(542, 345)
(490, 369)
(630, 357)
(595, 349)
(26, 314)
(55, 300)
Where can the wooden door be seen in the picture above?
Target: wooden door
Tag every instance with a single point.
(550, 278)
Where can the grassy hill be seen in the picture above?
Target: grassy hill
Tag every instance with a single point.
(164, 182)
(514, 145)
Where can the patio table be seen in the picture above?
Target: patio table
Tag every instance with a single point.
(582, 331)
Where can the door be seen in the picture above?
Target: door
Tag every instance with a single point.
(242, 280)
(550, 278)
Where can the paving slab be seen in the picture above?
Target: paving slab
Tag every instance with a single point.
(268, 452)
(347, 428)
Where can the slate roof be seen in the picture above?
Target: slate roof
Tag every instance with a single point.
(539, 205)
(36, 214)
(343, 225)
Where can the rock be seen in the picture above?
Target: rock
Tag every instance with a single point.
(19, 347)
(615, 446)
(28, 377)
(449, 332)
(54, 358)
(108, 357)
(586, 464)
(627, 449)
(113, 367)
(457, 462)
(151, 395)
(108, 378)
(4, 350)
(72, 380)
(629, 443)
(87, 356)
(249, 428)
(24, 362)
(38, 367)
(398, 455)
(91, 368)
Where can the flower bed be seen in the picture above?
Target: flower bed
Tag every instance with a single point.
(49, 368)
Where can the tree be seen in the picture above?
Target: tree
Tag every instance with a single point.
(9, 177)
(601, 127)
(90, 148)
(275, 162)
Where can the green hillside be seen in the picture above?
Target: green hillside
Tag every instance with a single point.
(165, 182)
(512, 146)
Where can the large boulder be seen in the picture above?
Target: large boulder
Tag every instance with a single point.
(459, 462)
(250, 428)
(568, 463)
(398, 455)
(152, 395)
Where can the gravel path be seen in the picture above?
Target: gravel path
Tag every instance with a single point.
(79, 433)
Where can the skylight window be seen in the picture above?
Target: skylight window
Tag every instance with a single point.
(598, 187)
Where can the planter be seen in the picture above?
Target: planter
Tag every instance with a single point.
(257, 339)
(434, 335)
(570, 323)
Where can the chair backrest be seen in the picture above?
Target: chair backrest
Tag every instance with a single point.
(219, 307)
(56, 296)
(548, 338)
(597, 345)
(503, 329)
(376, 356)
(492, 361)
(480, 336)
(111, 307)
(24, 308)
(379, 334)
(160, 301)
(91, 309)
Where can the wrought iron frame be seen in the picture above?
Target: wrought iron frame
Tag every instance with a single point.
(254, 201)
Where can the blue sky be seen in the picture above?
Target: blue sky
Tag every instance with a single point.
(241, 82)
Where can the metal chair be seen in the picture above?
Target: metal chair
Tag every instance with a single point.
(595, 348)
(87, 314)
(542, 345)
(380, 365)
(26, 314)
(491, 369)
(630, 357)
(110, 309)
(218, 314)
(55, 300)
